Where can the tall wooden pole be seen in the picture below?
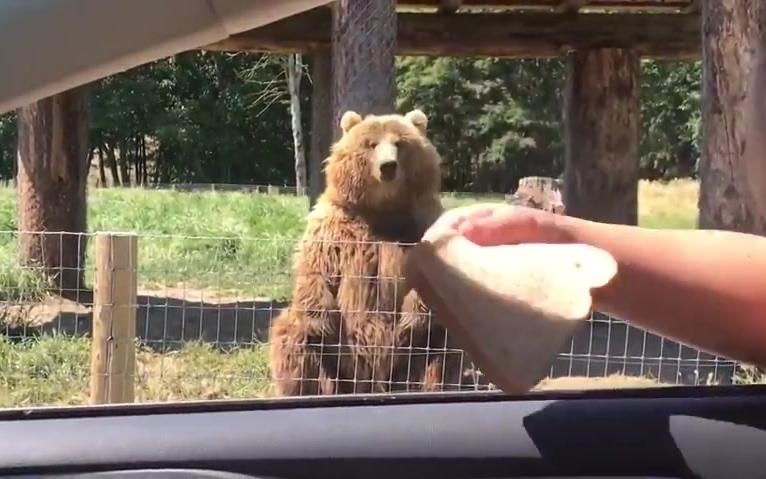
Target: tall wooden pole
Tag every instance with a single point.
(363, 54)
(602, 118)
(321, 112)
(113, 351)
(732, 32)
(52, 173)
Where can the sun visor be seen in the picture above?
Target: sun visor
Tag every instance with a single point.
(52, 46)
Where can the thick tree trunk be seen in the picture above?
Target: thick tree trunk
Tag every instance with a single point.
(602, 117)
(321, 129)
(364, 49)
(53, 155)
(294, 71)
(755, 144)
(732, 31)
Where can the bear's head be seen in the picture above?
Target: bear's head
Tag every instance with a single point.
(382, 162)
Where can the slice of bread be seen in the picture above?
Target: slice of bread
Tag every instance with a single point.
(511, 308)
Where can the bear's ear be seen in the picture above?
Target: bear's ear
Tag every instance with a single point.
(419, 119)
(349, 120)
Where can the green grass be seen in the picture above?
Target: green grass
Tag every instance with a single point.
(671, 205)
(20, 285)
(243, 242)
(227, 240)
(221, 242)
(48, 371)
(53, 370)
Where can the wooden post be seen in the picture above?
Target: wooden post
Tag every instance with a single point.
(321, 128)
(602, 118)
(52, 173)
(734, 30)
(113, 353)
(602, 129)
(363, 58)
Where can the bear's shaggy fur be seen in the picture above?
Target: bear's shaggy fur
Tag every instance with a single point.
(351, 326)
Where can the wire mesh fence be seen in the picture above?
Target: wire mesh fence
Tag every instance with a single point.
(612, 347)
(199, 324)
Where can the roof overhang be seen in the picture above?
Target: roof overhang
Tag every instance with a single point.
(52, 46)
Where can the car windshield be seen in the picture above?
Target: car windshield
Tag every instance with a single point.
(224, 209)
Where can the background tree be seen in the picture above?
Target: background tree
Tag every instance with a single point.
(493, 120)
(8, 135)
(670, 119)
(294, 73)
(216, 117)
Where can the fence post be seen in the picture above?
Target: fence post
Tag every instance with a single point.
(113, 351)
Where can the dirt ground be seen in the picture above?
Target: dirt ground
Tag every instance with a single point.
(39, 314)
(167, 315)
(209, 315)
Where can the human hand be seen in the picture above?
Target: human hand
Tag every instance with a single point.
(497, 224)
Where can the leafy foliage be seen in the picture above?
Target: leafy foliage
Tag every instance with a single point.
(7, 144)
(492, 120)
(671, 116)
(198, 111)
(224, 118)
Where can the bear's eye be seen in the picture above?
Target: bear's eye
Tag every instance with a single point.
(372, 143)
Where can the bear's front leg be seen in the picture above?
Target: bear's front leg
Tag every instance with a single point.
(435, 363)
(304, 355)
(449, 368)
(423, 366)
(306, 341)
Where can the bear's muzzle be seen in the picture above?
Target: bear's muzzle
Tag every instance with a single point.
(388, 170)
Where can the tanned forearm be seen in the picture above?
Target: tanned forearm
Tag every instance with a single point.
(703, 288)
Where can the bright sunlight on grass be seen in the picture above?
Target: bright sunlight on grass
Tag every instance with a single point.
(243, 242)
(218, 242)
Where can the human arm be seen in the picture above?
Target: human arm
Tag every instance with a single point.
(700, 287)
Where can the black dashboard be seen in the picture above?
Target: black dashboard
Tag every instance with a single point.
(705, 432)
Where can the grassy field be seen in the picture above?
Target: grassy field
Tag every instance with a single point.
(55, 371)
(218, 243)
(241, 243)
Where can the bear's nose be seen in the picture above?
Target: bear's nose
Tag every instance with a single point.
(388, 170)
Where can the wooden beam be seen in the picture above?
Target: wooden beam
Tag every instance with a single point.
(626, 5)
(570, 6)
(508, 34)
(449, 6)
(693, 7)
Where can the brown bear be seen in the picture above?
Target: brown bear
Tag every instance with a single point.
(351, 326)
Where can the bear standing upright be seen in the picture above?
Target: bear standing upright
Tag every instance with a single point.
(351, 326)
